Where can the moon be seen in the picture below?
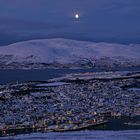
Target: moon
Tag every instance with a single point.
(77, 16)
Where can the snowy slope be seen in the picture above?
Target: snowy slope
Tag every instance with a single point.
(81, 135)
(65, 51)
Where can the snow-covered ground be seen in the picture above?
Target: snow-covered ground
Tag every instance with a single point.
(134, 89)
(96, 75)
(69, 53)
(82, 135)
(52, 84)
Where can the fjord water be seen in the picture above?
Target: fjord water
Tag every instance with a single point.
(10, 76)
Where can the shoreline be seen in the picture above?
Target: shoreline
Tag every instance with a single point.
(102, 126)
(81, 101)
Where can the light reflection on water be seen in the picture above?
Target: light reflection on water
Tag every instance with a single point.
(80, 135)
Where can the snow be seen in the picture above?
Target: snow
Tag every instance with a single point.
(52, 84)
(63, 49)
(81, 135)
(134, 89)
(96, 75)
(66, 50)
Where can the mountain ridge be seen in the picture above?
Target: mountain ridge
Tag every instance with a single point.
(45, 53)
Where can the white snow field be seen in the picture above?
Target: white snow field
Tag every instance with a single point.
(80, 135)
(66, 51)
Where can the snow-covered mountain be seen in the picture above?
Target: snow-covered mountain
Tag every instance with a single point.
(48, 53)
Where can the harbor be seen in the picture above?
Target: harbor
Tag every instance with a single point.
(71, 103)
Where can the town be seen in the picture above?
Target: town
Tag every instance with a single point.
(73, 102)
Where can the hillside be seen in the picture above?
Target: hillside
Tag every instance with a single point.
(50, 53)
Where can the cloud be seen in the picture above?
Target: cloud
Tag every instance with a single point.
(99, 19)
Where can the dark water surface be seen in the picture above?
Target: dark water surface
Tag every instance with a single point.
(9, 76)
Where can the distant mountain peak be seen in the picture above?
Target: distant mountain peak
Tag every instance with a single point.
(67, 52)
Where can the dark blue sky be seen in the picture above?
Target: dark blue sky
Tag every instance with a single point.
(100, 20)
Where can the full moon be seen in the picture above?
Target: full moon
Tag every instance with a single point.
(77, 16)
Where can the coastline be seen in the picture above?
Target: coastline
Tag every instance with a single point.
(80, 101)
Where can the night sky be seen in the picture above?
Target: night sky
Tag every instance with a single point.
(100, 20)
